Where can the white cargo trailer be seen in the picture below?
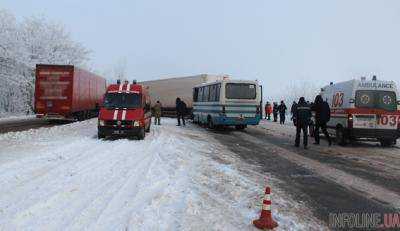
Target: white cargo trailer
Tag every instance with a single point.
(167, 90)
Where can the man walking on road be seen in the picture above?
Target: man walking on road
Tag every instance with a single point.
(282, 112)
(293, 111)
(157, 113)
(303, 117)
(275, 111)
(322, 117)
(180, 111)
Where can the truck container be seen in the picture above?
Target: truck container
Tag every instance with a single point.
(167, 90)
(65, 92)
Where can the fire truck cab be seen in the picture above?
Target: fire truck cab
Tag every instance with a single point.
(125, 111)
(364, 109)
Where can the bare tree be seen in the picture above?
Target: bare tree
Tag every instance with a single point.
(296, 89)
(120, 69)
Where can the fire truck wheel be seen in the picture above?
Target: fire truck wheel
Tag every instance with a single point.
(340, 136)
(148, 128)
(141, 134)
(100, 136)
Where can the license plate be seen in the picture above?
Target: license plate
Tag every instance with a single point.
(118, 132)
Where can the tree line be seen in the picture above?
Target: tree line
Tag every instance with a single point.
(25, 43)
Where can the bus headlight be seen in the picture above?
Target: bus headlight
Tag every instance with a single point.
(136, 124)
(101, 123)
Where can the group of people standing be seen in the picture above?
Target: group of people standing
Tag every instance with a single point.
(276, 109)
(301, 115)
(181, 110)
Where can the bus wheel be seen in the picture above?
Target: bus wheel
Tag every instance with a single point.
(386, 142)
(141, 134)
(240, 127)
(210, 123)
(340, 136)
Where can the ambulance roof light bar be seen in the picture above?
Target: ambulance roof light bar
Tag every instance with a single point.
(363, 78)
(134, 81)
(118, 81)
(374, 78)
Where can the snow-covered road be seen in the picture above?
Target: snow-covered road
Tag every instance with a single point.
(64, 178)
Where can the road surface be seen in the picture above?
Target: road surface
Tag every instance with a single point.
(363, 178)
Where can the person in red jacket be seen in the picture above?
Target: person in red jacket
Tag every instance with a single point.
(268, 111)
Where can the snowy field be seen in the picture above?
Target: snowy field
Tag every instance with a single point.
(178, 178)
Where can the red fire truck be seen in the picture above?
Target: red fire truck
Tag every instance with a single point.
(125, 111)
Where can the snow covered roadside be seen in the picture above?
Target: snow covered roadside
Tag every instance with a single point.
(8, 119)
(176, 179)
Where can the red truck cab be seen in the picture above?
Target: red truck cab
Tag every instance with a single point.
(125, 111)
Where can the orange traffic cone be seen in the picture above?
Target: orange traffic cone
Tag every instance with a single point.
(266, 221)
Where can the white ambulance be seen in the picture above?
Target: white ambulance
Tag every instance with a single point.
(364, 109)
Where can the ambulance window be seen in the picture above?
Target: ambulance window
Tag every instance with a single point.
(365, 99)
(386, 100)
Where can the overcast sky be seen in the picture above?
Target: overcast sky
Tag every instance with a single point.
(274, 41)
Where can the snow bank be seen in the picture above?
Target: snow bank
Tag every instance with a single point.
(64, 178)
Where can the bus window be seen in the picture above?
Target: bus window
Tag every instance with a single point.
(240, 91)
(212, 93)
(200, 95)
(206, 94)
(217, 91)
(195, 94)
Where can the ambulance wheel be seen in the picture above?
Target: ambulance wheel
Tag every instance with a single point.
(340, 136)
(141, 134)
(386, 142)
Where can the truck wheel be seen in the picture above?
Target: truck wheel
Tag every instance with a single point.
(100, 135)
(141, 134)
(340, 136)
(386, 142)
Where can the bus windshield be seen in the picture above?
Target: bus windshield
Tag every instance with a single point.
(385, 100)
(122, 100)
(240, 91)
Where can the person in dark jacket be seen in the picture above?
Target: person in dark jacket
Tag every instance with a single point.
(180, 111)
(275, 111)
(322, 117)
(282, 112)
(293, 111)
(303, 117)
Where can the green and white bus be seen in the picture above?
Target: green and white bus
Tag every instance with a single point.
(227, 103)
